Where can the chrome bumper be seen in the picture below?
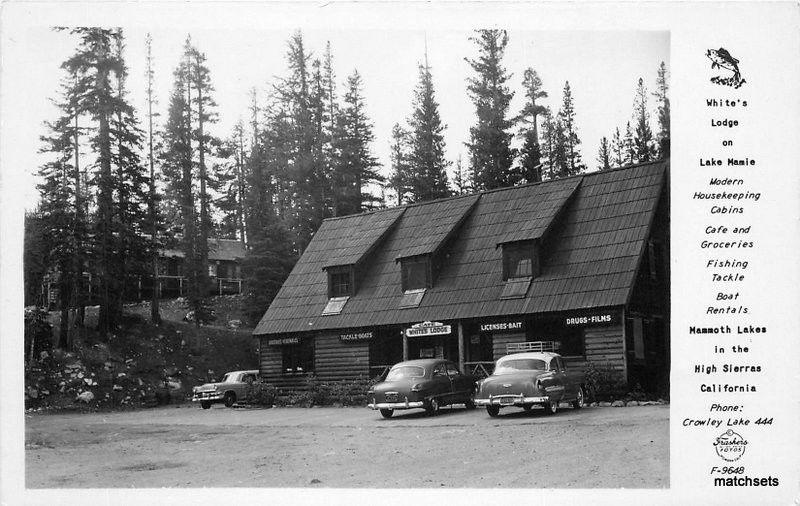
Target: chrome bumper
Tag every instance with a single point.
(206, 396)
(510, 400)
(395, 405)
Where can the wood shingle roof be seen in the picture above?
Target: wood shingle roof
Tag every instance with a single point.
(593, 250)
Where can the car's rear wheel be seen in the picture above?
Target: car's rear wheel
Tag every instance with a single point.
(493, 410)
(205, 404)
(578, 402)
(432, 408)
(229, 398)
(551, 408)
(387, 413)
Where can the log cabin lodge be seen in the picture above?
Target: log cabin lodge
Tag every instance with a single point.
(579, 262)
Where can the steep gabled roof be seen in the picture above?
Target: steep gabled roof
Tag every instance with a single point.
(349, 242)
(426, 228)
(594, 247)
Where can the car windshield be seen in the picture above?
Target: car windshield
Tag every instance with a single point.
(405, 372)
(520, 364)
(228, 377)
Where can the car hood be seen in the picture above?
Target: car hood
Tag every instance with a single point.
(205, 387)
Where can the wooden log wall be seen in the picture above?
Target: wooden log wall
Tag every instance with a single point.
(605, 347)
(335, 360)
(499, 342)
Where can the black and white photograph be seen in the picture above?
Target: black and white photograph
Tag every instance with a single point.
(319, 258)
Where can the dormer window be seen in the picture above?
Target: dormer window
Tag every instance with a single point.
(416, 273)
(340, 282)
(520, 260)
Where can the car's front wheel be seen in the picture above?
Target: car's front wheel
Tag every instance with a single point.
(578, 402)
(205, 404)
(229, 399)
(493, 410)
(551, 408)
(432, 408)
(387, 413)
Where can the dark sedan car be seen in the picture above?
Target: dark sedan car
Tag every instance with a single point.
(528, 379)
(426, 383)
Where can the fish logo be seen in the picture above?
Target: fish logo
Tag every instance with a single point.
(722, 59)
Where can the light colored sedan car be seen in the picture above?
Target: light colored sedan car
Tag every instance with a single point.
(229, 390)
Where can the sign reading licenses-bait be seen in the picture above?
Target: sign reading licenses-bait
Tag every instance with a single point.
(593, 319)
(502, 326)
(354, 337)
(428, 329)
(283, 341)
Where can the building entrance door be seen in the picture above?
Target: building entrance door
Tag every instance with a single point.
(433, 347)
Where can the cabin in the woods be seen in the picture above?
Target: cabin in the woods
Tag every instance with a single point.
(578, 265)
(224, 270)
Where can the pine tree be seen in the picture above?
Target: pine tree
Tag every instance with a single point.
(491, 155)
(662, 99)
(643, 138)
(155, 229)
(427, 168)
(630, 146)
(355, 164)
(399, 155)
(461, 179)
(618, 149)
(604, 155)
(531, 162)
(571, 140)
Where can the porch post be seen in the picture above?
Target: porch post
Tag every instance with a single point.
(405, 345)
(461, 346)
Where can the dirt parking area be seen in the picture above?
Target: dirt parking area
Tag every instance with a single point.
(184, 446)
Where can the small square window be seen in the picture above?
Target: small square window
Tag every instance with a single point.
(340, 282)
(415, 273)
(520, 260)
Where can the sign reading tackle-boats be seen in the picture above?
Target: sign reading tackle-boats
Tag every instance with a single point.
(428, 329)
(354, 337)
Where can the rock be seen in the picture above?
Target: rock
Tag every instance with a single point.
(617, 404)
(80, 375)
(45, 392)
(632, 403)
(86, 397)
(234, 324)
(121, 375)
(604, 404)
(89, 381)
(32, 393)
(117, 388)
(592, 404)
(647, 403)
(183, 343)
(43, 355)
(315, 481)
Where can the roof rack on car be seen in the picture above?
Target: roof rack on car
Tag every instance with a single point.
(539, 346)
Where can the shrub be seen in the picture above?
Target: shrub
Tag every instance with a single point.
(603, 382)
(262, 394)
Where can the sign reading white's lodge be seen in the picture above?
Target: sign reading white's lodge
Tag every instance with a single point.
(425, 329)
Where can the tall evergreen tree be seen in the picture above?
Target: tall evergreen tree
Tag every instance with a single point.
(604, 155)
(630, 146)
(427, 170)
(643, 138)
(155, 229)
(531, 162)
(662, 99)
(461, 179)
(399, 155)
(355, 163)
(491, 155)
(618, 149)
(571, 139)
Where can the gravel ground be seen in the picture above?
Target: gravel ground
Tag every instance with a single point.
(184, 446)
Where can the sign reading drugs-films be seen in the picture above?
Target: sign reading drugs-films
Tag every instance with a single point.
(356, 337)
(426, 329)
(281, 341)
(591, 319)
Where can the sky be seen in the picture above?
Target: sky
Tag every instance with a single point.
(602, 67)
